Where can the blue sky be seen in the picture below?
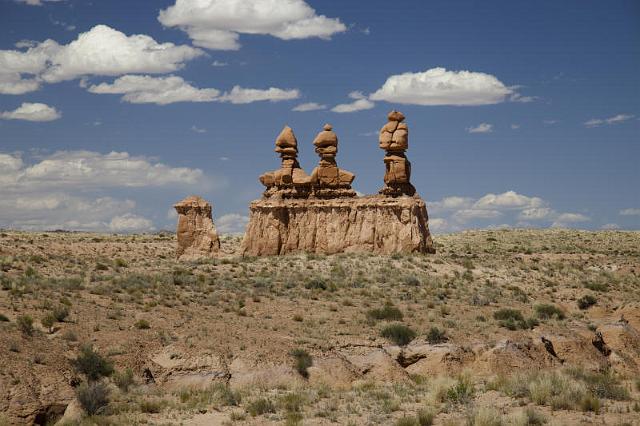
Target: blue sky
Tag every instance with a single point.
(520, 113)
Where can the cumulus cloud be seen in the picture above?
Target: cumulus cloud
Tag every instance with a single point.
(65, 190)
(361, 103)
(37, 2)
(610, 226)
(232, 223)
(32, 112)
(309, 106)
(481, 128)
(241, 95)
(101, 51)
(217, 24)
(630, 212)
(139, 89)
(616, 119)
(438, 86)
(498, 210)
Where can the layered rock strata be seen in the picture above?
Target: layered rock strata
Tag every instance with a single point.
(197, 236)
(290, 181)
(329, 181)
(365, 224)
(394, 139)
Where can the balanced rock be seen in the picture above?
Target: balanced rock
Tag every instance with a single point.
(394, 139)
(327, 179)
(290, 181)
(197, 237)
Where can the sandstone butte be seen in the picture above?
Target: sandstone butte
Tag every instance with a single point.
(319, 213)
(196, 233)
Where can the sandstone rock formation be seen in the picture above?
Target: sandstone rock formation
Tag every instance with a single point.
(394, 139)
(290, 181)
(363, 224)
(197, 237)
(327, 179)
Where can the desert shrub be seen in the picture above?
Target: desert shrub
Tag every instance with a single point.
(316, 283)
(3, 318)
(533, 417)
(101, 267)
(407, 421)
(435, 335)
(120, 263)
(547, 311)
(47, 321)
(387, 312)
(142, 324)
(261, 406)
(292, 402)
(485, 416)
(92, 364)
(93, 397)
(69, 336)
(426, 416)
(597, 286)
(399, 334)
(587, 301)
(152, 406)
(603, 384)
(25, 324)
(513, 319)
(412, 281)
(590, 403)
(462, 391)
(123, 379)
(60, 313)
(302, 361)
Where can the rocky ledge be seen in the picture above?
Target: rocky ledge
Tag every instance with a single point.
(325, 226)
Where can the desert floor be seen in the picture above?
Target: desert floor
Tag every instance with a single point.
(508, 327)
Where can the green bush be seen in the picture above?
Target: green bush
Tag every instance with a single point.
(399, 334)
(123, 379)
(547, 311)
(92, 364)
(25, 324)
(435, 335)
(387, 312)
(47, 321)
(260, 406)
(93, 397)
(596, 286)
(60, 313)
(513, 319)
(587, 301)
(3, 318)
(316, 283)
(142, 324)
(302, 361)
(462, 391)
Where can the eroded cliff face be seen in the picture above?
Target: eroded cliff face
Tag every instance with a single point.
(325, 226)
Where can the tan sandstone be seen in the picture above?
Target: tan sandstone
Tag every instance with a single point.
(364, 224)
(197, 237)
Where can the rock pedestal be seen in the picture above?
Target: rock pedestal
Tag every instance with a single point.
(394, 139)
(290, 181)
(375, 224)
(329, 181)
(197, 237)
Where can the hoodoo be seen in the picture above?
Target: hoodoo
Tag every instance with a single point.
(321, 213)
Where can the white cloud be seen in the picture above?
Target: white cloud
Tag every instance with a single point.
(232, 223)
(616, 119)
(217, 63)
(100, 51)
(499, 210)
(32, 112)
(138, 89)
(610, 226)
(437, 86)
(130, 222)
(550, 122)
(361, 103)
(241, 95)
(217, 24)
(65, 190)
(36, 2)
(515, 126)
(625, 212)
(481, 128)
(509, 200)
(564, 220)
(437, 224)
(309, 106)
(198, 130)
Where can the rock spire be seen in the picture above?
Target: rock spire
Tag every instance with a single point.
(394, 139)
